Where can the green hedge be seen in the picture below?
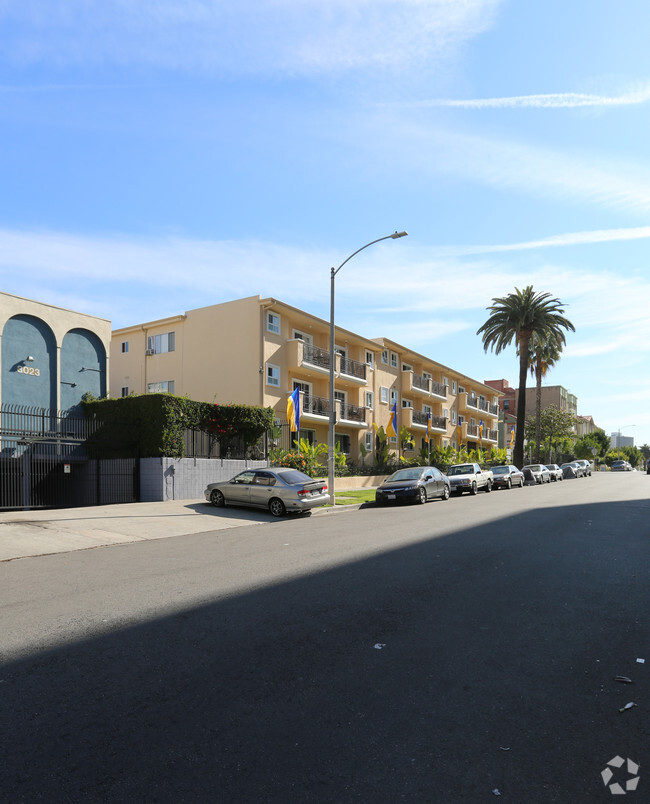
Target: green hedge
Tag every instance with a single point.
(153, 425)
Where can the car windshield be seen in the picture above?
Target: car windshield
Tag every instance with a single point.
(465, 469)
(534, 467)
(406, 474)
(500, 470)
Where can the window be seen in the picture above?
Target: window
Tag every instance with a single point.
(453, 386)
(343, 440)
(159, 344)
(506, 404)
(370, 400)
(370, 359)
(368, 441)
(272, 375)
(384, 356)
(167, 386)
(445, 413)
(383, 391)
(125, 347)
(394, 396)
(273, 323)
(427, 376)
(445, 381)
(406, 403)
(303, 336)
(461, 389)
(125, 390)
(453, 417)
(308, 435)
(393, 359)
(427, 410)
(406, 367)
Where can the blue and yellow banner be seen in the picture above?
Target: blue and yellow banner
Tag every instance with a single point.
(293, 410)
(429, 425)
(391, 430)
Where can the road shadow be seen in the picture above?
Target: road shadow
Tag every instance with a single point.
(438, 671)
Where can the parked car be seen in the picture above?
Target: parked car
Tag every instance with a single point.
(505, 477)
(621, 466)
(586, 465)
(280, 490)
(556, 472)
(529, 477)
(469, 477)
(568, 471)
(415, 484)
(540, 472)
(578, 468)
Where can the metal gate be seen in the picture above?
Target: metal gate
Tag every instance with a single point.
(44, 463)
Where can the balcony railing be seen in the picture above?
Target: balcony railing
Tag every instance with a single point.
(422, 417)
(438, 388)
(352, 368)
(472, 429)
(493, 409)
(420, 382)
(352, 413)
(316, 356)
(493, 435)
(316, 405)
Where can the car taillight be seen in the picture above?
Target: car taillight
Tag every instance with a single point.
(302, 492)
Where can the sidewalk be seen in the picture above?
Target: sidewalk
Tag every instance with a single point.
(43, 532)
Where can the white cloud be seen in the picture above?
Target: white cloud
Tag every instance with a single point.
(557, 100)
(251, 36)
(529, 169)
(568, 239)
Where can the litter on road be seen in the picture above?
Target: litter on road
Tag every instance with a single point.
(623, 679)
(627, 706)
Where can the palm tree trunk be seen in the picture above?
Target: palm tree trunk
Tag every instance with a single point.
(518, 454)
(538, 411)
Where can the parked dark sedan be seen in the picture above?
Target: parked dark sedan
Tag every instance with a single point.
(505, 477)
(413, 484)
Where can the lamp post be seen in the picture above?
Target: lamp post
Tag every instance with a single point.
(332, 420)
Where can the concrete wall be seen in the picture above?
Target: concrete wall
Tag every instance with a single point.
(186, 478)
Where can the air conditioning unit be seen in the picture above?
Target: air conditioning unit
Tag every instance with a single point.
(150, 352)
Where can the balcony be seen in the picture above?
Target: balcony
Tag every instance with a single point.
(351, 415)
(483, 406)
(315, 408)
(352, 369)
(301, 355)
(419, 418)
(419, 384)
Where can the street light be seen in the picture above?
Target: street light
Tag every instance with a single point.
(332, 421)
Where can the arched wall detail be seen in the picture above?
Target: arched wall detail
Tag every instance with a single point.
(83, 367)
(29, 362)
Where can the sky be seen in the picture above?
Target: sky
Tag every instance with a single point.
(162, 155)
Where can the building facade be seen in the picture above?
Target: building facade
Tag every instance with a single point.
(50, 357)
(256, 351)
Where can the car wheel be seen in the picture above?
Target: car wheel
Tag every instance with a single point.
(276, 507)
(474, 489)
(445, 493)
(217, 499)
(488, 487)
(422, 496)
(508, 483)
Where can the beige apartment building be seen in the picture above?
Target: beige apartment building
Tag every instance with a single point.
(256, 351)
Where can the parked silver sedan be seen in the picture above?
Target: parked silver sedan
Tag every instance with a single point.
(556, 472)
(540, 472)
(279, 490)
(507, 476)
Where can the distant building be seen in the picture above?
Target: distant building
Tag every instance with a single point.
(617, 440)
(50, 357)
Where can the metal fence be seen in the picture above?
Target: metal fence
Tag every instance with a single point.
(44, 462)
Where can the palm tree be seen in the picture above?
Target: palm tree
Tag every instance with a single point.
(519, 316)
(543, 354)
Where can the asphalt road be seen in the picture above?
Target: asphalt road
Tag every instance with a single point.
(431, 653)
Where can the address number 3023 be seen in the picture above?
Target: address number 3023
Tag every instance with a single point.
(29, 370)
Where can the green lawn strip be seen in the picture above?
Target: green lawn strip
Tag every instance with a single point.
(355, 497)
